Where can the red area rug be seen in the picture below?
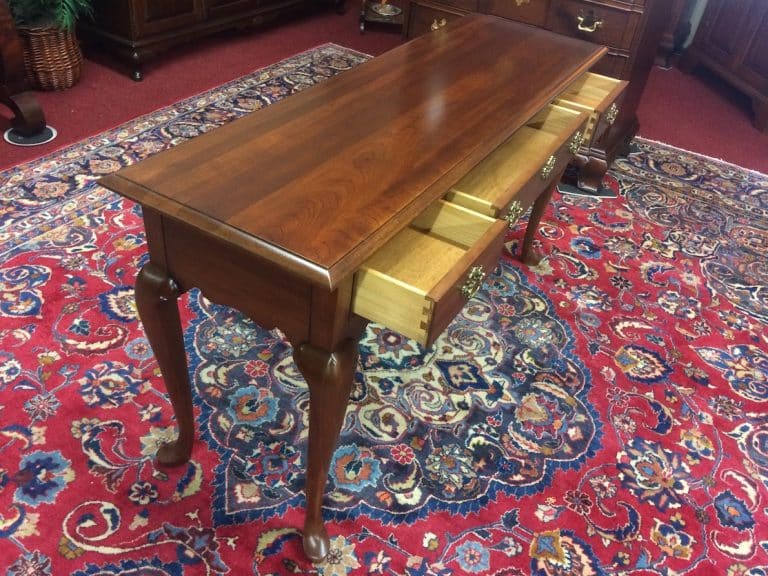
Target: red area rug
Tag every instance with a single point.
(603, 413)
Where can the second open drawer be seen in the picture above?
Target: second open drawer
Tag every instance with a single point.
(417, 282)
(505, 183)
(597, 95)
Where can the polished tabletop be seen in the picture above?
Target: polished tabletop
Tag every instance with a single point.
(319, 180)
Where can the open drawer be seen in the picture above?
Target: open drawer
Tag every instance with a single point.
(599, 96)
(417, 282)
(507, 182)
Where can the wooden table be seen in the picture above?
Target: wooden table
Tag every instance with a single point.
(275, 213)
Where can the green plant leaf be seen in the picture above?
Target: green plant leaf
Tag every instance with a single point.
(62, 13)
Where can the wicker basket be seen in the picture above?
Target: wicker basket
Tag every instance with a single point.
(52, 57)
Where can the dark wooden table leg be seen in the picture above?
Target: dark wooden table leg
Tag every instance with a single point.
(530, 256)
(28, 118)
(330, 376)
(156, 296)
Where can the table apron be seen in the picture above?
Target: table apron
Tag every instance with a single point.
(229, 275)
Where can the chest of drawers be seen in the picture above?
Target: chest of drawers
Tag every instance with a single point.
(630, 29)
(732, 42)
(136, 30)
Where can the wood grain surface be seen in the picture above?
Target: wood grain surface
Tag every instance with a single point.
(316, 182)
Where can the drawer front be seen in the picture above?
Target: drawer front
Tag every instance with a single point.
(507, 182)
(606, 25)
(548, 175)
(469, 5)
(424, 18)
(601, 97)
(156, 17)
(613, 64)
(223, 8)
(417, 282)
(529, 11)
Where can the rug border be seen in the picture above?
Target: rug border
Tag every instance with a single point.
(693, 153)
(49, 155)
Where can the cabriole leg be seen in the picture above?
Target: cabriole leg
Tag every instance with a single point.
(156, 296)
(330, 376)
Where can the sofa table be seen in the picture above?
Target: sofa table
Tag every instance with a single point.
(331, 207)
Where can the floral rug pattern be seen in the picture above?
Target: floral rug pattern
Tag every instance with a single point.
(602, 413)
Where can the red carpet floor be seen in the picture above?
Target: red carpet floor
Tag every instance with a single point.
(692, 112)
(698, 112)
(601, 414)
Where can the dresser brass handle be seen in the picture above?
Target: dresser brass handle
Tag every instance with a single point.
(549, 165)
(473, 282)
(576, 142)
(589, 28)
(437, 24)
(513, 214)
(611, 114)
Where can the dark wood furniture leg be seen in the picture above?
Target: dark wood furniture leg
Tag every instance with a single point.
(156, 301)
(28, 118)
(330, 376)
(530, 256)
(591, 174)
(760, 109)
(136, 71)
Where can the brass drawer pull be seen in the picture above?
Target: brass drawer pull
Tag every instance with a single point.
(576, 142)
(590, 27)
(549, 165)
(612, 113)
(437, 24)
(513, 214)
(474, 281)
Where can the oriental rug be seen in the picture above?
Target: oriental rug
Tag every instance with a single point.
(602, 413)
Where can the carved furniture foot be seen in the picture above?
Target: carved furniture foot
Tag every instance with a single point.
(156, 295)
(330, 376)
(28, 118)
(592, 173)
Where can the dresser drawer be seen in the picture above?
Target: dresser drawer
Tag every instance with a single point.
(423, 277)
(424, 18)
(529, 11)
(469, 5)
(507, 182)
(598, 95)
(618, 65)
(607, 25)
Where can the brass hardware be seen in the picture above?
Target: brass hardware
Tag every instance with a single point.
(513, 214)
(474, 281)
(576, 142)
(549, 165)
(437, 24)
(612, 113)
(521, 2)
(589, 28)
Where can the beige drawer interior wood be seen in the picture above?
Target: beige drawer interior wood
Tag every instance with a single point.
(493, 183)
(404, 284)
(592, 93)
